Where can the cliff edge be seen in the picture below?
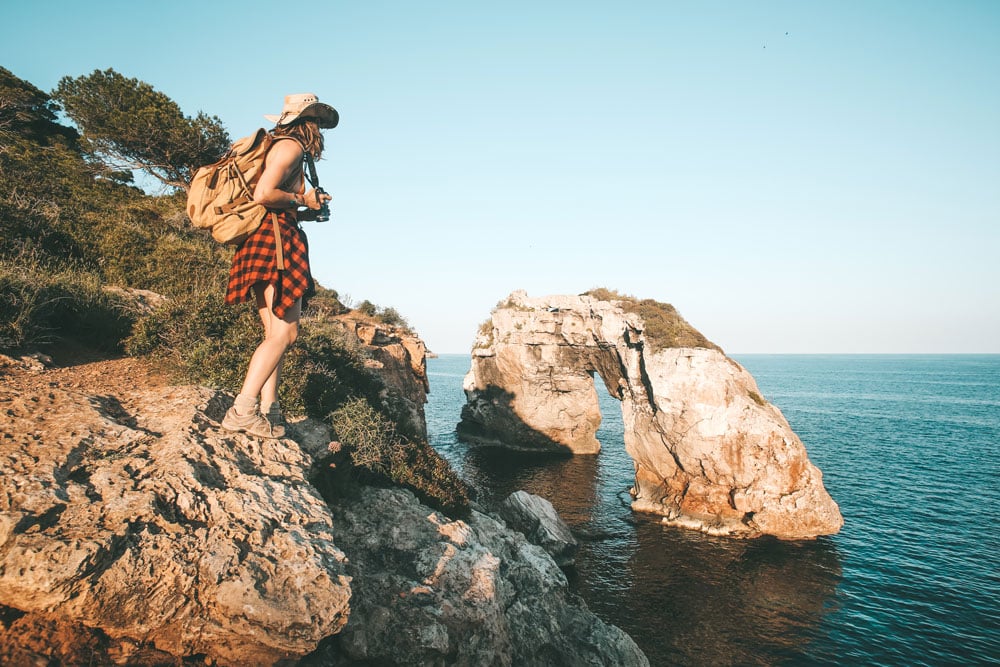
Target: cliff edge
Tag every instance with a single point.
(133, 530)
(710, 452)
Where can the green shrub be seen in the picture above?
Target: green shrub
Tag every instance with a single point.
(324, 369)
(41, 303)
(204, 341)
(201, 339)
(387, 316)
(391, 317)
(375, 447)
(368, 308)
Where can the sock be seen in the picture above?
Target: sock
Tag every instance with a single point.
(245, 404)
(267, 407)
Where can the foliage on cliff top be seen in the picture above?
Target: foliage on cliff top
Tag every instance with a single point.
(71, 225)
(384, 315)
(664, 325)
(484, 335)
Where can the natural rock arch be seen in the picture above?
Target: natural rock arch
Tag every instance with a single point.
(710, 453)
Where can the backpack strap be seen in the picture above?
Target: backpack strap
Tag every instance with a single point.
(279, 255)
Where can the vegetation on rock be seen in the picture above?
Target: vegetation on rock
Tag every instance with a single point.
(664, 325)
(388, 316)
(484, 339)
(375, 446)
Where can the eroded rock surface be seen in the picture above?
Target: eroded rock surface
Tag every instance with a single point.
(435, 591)
(541, 524)
(134, 531)
(710, 452)
(159, 529)
(399, 357)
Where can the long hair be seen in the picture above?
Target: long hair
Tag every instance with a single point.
(307, 131)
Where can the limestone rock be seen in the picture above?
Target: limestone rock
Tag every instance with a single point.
(541, 524)
(134, 531)
(710, 453)
(429, 590)
(138, 521)
(399, 357)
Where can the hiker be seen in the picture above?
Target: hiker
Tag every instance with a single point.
(278, 279)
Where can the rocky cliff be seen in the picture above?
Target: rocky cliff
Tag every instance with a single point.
(134, 531)
(399, 357)
(710, 452)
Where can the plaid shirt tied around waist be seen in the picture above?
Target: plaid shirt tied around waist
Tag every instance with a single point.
(256, 261)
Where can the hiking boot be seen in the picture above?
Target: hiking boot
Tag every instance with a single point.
(274, 415)
(252, 424)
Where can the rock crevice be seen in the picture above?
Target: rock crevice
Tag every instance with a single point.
(710, 453)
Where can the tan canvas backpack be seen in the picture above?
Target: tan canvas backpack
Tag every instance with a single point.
(221, 194)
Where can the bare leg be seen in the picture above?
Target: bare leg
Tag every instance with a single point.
(269, 392)
(279, 334)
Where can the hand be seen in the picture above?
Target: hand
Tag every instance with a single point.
(314, 200)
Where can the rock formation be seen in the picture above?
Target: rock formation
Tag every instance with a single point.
(399, 357)
(434, 591)
(133, 530)
(159, 529)
(541, 524)
(710, 453)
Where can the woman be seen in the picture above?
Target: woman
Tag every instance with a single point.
(257, 270)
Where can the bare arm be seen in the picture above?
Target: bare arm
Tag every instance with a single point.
(280, 162)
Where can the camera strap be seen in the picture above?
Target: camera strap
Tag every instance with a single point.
(311, 170)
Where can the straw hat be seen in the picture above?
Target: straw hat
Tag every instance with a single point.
(306, 105)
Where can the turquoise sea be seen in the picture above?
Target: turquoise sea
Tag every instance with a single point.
(908, 447)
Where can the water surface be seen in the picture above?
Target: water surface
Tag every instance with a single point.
(908, 448)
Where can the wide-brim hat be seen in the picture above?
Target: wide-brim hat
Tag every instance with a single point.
(306, 105)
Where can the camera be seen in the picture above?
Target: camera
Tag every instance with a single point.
(323, 214)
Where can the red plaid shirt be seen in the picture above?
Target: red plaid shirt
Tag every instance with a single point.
(255, 262)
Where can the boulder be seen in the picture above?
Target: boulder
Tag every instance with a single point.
(541, 524)
(430, 590)
(141, 523)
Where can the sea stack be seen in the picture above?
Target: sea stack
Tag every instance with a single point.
(710, 452)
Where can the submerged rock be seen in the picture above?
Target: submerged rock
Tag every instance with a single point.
(710, 452)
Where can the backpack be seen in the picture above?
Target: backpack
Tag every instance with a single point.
(221, 194)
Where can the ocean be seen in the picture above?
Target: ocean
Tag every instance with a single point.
(908, 448)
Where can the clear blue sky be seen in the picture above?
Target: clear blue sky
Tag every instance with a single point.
(793, 177)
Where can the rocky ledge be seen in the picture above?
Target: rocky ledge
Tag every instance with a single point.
(134, 531)
(710, 452)
(399, 357)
